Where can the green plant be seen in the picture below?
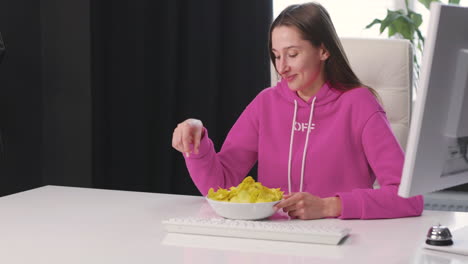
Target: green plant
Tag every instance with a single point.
(405, 24)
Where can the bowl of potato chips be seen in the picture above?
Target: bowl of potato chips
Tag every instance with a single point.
(249, 200)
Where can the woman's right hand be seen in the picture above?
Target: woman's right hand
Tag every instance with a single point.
(187, 133)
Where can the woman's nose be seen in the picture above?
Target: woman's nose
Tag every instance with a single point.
(282, 66)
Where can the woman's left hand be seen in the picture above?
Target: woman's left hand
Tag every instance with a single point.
(307, 206)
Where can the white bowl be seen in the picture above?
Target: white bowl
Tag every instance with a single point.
(243, 211)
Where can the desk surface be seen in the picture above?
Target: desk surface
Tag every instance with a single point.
(77, 225)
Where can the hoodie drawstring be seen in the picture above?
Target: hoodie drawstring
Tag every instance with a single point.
(304, 154)
(291, 145)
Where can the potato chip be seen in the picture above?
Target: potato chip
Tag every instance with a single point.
(248, 191)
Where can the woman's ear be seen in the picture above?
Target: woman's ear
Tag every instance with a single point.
(324, 54)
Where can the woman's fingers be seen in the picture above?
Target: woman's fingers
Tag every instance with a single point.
(290, 208)
(301, 205)
(177, 139)
(289, 201)
(197, 138)
(298, 205)
(195, 128)
(186, 139)
(186, 135)
(299, 213)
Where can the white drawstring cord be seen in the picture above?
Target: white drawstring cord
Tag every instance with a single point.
(307, 142)
(291, 146)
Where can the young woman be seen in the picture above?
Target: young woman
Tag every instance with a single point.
(319, 134)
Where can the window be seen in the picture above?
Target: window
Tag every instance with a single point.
(349, 17)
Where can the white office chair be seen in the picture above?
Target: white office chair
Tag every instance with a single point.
(387, 66)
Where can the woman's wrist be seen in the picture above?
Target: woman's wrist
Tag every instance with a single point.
(332, 207)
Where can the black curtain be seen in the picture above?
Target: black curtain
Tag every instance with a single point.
(157, 63)
(20, 96)
(2, 48)
(2, 51)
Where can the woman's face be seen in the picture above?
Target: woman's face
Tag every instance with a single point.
(297, 60)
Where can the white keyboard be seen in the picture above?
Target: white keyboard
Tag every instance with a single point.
(294, 230)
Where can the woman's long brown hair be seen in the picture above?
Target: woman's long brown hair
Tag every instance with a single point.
(315, 25)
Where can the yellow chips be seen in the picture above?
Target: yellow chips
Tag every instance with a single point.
(248, 191)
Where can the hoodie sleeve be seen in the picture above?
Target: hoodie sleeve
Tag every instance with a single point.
(385, 158)
(238, 154)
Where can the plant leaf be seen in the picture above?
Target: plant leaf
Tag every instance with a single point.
(427, 3)
(391, 30)
(417, 19)
(420, 36)
(456, 2)
(390, 18)
(405, 27)
(376, 21)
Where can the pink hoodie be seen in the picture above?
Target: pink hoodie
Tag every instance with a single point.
(349, 145)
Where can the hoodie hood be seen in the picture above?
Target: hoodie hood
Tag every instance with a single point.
(325, 95)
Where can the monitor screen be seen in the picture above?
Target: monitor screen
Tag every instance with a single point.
(436, 153)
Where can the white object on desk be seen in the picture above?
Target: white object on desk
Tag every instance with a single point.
(460, 243)
(56, 225)
(293, 230)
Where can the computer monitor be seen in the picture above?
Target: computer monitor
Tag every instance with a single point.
(436, 153)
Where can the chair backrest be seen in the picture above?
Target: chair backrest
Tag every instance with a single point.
(387, 66)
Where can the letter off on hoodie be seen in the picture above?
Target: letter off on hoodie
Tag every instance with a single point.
(337, 144)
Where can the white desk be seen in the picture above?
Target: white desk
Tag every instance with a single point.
(77, 225)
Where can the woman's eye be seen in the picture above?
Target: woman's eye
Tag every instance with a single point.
(277, 57)
(292, 55)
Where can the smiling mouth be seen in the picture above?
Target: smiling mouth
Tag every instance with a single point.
(290, 78)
